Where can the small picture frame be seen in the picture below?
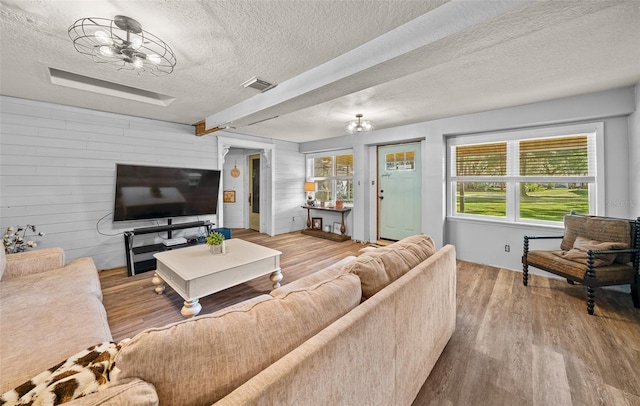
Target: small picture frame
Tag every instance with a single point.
(316, 223)
(229, 196)
(336, 227)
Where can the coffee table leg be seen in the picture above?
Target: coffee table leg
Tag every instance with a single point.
(191, 308)
(159, 284)
(276, 277)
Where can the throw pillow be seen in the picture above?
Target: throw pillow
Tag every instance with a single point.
(81, 374)
(581, 245)
(378, 268)
(596, 228)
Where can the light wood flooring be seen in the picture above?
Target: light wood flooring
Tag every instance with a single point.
(513, 345)
(132, 305)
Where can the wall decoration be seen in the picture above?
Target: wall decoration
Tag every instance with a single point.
(336, 227)
(229, 196)
(316, 223)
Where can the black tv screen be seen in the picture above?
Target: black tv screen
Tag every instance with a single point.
(149, 192)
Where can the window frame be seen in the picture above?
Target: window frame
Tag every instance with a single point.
(595, 132)
(334, 178)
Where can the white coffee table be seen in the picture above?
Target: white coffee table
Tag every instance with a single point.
(194, 272)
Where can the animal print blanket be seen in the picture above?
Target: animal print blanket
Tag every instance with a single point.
(83, 373)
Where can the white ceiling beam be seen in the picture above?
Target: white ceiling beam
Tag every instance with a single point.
(303, 90)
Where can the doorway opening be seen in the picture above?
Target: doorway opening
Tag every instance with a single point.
(263, 201)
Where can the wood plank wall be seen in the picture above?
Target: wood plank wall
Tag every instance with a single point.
(57, 171)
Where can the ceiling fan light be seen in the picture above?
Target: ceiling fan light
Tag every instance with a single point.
(103, 37)
(154, 58)
(136, 42)
(122, 43)
(107, 51)
(137, 63)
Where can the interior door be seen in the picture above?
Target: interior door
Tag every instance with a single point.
(399, 191)
(254, 192)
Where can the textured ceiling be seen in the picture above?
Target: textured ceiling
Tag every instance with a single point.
(396, 62)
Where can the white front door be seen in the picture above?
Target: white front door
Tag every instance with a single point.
(399, 191)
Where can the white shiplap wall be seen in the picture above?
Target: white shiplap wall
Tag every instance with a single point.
(289, 177)
(57, 171)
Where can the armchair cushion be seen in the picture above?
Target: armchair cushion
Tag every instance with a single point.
(553, 261)
(581, 245)
(598, 229)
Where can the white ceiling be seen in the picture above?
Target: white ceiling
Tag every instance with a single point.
(397, 62)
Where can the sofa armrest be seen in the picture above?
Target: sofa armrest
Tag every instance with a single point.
(33, 262)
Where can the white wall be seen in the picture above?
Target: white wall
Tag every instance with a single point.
(484, 242)
(57, 171)
(634, 158)
(289, 177)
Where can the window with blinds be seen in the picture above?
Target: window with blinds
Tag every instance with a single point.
(523, 177)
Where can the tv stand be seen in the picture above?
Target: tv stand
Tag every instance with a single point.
(140, 258)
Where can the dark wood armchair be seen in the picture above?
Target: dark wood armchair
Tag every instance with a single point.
(595, 251)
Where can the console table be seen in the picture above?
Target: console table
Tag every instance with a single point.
(322, 234)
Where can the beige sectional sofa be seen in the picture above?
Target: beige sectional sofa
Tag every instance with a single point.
(365, 331)
(48, 312)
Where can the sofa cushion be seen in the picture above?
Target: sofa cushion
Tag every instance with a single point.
(61, 308)
(581, 245)
(81, 374)
(223, 350)
(378, 268)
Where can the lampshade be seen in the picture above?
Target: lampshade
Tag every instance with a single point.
(122, 42)
(358, 125)
(309, 187)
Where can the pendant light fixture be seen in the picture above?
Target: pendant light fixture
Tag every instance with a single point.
(123, 43)
(358, 125)
(235, 172)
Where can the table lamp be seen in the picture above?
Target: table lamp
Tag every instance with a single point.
(309, 187)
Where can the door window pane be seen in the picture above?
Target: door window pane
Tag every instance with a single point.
(400, 161)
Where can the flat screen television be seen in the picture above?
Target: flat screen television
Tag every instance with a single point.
(150, 192)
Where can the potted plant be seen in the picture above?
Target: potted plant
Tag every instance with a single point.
(215, 241)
